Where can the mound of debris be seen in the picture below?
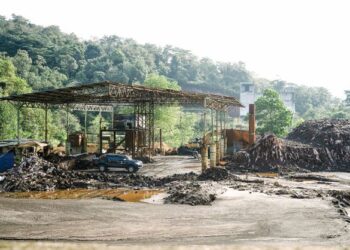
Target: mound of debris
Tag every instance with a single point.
(191, 193)
(214, 174)
(271, 154)
(191, 176)
(313, 146)
(323, 133)
(37, 174)
(81, 161)
(330, 137)
(342, 202)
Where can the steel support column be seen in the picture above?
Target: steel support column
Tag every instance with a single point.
(225, 134)
(218, 156)
(100, 133)
(46, 131)
(67, 131)
(85, 130)
(160, 142)
(18, 122)
(204, 149)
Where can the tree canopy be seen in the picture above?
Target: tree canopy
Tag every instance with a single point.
(272, 115)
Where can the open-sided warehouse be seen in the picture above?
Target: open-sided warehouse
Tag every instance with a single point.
(104, 96)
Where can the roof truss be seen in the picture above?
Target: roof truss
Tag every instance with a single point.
(104, 95)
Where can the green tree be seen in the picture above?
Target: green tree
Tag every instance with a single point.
(10, 84)
(176, 126)
(271, 114)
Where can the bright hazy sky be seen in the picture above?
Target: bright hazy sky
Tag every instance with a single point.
(301, 41)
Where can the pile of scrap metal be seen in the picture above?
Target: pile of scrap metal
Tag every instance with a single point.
(78, 161)
(319, 145)
(37, 174)
(13, 150)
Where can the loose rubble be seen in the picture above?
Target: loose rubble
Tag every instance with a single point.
(214, 174)
(342, 202)
(322, 145)
(37, 174)
(191, 193)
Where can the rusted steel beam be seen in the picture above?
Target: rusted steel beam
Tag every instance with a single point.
(108, 93)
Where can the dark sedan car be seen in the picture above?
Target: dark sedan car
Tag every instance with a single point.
(117, 161)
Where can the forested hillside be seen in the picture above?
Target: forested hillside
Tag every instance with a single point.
(45, 58)
(48, 58)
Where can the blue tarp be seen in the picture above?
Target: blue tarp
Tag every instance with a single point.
(7, 161)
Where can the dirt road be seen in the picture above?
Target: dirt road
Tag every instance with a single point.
(236, 217)
(169, 165)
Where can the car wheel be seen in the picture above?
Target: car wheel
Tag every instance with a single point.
(131, 169)
(102, 168)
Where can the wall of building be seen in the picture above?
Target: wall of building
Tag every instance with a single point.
(249, 95)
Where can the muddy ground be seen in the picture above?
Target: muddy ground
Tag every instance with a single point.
(257, 212)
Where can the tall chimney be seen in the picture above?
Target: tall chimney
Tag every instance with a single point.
(252, 136)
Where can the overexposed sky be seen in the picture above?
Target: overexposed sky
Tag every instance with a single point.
(301, 41)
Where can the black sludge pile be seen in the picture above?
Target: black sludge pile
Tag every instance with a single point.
(214, 174)
(322, 145)
(330, 137)
(190, 193)
(36, 174)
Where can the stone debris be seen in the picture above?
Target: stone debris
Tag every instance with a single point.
(310, 177)
(37, 174)
(191, 193)
(74, 162)
(342, 202)
(323, 133)
(214, 174)
(180, 177)
(322, 145)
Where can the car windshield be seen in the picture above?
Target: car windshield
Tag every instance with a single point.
(128, 157)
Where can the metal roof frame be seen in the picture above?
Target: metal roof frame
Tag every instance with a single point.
(103, 95)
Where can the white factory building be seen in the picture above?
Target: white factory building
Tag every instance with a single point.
(249, 94)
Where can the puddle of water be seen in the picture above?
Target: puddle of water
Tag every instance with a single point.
(121, 194)
(196, 167)
(267, 174)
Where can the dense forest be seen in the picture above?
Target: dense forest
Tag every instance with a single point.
(35, 58)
